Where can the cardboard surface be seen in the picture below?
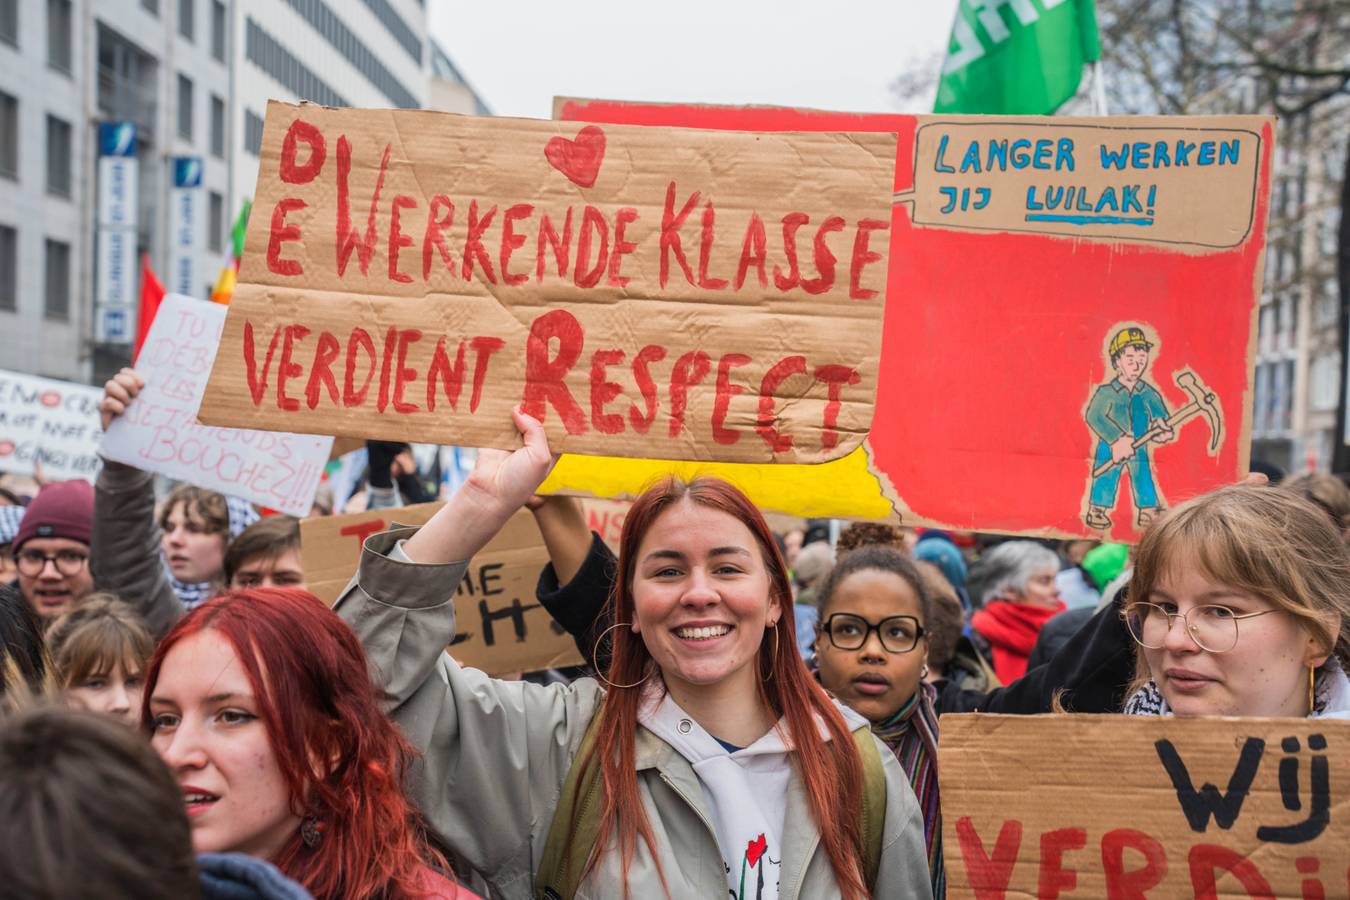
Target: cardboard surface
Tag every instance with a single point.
(693, 294)
(501, 628)
(53, 423)
(1134, 806)
(159, 432)
(997, 330)
(1178, 180)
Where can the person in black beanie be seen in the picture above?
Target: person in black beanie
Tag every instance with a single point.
(51, 549)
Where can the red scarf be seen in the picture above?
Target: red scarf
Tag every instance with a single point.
(1011, 629)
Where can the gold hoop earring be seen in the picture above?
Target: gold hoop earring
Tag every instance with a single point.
(1312, 690)
(595, 653)
(773, 655)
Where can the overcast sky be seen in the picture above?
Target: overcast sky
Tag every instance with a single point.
(842, 56)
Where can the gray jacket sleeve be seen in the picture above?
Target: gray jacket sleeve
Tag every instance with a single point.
(904, 856)
(124, 554)
(494, 753)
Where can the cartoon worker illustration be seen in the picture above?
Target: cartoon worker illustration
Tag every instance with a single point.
(1127, 414)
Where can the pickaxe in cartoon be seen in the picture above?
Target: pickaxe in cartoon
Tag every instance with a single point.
(1203, 403)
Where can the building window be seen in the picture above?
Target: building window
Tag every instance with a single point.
(274, 59)
(58, 280)
(392, 21)
(1284, 389)
(217, 126)
(1264, 396)
(184, 107)
(218, 30)
(9, 136)
(9, 22)
(253, 132)
(1326, 304)
(215, 226)
(342, 39)
(58, 157)
(59, 21)
(1324, 381)
(186, 13)
(9, 265)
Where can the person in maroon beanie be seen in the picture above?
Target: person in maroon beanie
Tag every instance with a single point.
(51, 549)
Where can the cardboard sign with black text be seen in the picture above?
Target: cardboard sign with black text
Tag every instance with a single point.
(500, 626)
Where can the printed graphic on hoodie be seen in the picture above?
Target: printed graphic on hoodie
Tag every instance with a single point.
(755, 851)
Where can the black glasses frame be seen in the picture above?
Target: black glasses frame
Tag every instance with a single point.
(25, 558)
(868, 628)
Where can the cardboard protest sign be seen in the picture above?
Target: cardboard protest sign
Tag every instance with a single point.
(501, 627)
(159, 433)
(1069, 325)
(417, 275)
(606, 518)
(52, 423)
(1130, 806)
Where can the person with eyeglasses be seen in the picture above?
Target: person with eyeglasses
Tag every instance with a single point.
(871, 652)
(1240, 606)
(51, 550)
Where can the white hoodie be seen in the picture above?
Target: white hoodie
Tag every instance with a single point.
(746, 791)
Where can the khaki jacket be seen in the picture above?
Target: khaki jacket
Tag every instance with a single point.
(496, 753)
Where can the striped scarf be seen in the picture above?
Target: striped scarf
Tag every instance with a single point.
(912, 735)
(241, 515)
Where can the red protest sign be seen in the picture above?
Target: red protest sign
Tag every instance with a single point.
(1068, 340)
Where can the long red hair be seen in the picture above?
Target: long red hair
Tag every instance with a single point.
(830, 770)
(319, 706)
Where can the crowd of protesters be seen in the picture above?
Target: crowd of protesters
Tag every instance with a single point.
(759, 715)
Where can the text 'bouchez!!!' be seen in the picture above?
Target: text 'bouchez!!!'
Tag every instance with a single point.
(592, 243)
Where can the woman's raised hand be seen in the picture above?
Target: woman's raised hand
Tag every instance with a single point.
(118, 393)
(506, 480)
(501, 483)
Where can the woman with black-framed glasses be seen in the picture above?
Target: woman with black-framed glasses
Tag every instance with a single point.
(871, 652)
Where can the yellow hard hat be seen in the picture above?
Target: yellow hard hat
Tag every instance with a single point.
(1127, 337)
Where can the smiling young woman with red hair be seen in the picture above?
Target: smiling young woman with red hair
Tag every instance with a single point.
(261, 703)
(723, 767)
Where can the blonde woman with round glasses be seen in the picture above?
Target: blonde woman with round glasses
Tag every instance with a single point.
(1240, 605)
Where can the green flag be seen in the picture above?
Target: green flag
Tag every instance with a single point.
(1016, 57)
(240, 226)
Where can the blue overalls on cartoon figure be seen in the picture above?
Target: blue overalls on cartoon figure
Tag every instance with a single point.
(1114, 412)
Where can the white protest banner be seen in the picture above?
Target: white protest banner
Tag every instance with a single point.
(159, 431)
(53, 423)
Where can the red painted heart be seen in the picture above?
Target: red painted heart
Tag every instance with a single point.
(755, 849)
(578, 159)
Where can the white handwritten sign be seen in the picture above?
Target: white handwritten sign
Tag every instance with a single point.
(160, 433)
(53, 423)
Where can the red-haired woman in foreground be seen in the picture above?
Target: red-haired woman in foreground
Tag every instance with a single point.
(723, 767)
(261, 703)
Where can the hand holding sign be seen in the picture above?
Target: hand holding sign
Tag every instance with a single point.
(500, 484)
(118, 393)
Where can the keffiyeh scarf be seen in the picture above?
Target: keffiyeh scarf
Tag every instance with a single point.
(1331, 696)
(242, 514)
